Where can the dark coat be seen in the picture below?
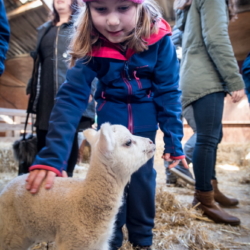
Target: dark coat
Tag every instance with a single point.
(60, 66)
(137, 90)
(4, 35)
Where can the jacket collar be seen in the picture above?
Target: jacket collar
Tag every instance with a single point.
(110, 50)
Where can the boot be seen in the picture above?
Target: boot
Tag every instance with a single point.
(213, 211)
(221, 198)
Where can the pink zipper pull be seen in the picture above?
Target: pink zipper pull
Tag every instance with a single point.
(103, 97)
(137, 78)
(149, 93)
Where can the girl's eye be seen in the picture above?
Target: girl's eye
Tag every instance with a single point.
(128, 143)
(123, 8)
(101, 9)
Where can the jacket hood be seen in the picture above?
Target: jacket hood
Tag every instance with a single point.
(108, 50)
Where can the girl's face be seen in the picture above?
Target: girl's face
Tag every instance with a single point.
(63, 6)
(114, 19)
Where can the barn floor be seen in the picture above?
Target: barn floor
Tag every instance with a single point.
(177, 225)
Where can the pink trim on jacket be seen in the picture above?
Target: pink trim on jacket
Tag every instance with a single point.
(108, 49)
(177, 157)
(44, 167)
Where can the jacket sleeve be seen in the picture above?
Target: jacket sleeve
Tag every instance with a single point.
(214, 23)
(167, 98)
(4, 35)
(246, 75)
(71, 102)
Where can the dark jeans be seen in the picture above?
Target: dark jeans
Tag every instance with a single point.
(41, 139)
(208, 112)
(138, 209)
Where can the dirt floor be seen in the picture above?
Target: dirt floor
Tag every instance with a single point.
(177, 225)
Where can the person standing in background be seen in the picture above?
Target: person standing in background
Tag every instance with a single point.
(209, 71)
(50, 67)
(4, 35)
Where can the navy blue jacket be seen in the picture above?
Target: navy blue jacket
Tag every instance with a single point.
(137, 90)
(246, 75)
(4, 36)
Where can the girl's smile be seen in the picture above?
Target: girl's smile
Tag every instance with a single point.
(114, 19)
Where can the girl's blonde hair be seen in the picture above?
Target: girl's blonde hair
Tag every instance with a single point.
(86, 36)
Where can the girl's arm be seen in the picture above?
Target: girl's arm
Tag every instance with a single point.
(167, 98)
(71, 102)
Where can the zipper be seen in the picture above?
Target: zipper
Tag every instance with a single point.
(56, 58)
(126, 70)
(137, 80)
(130, 92)
(130, 118)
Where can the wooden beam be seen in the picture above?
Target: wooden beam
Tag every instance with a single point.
(24, 8)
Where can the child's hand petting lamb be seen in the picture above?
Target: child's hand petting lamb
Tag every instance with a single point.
(76, 214)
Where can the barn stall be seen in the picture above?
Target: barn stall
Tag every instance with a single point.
(178, 226)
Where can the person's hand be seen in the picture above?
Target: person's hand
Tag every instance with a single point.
(36, 178)
(236, 96)
(174, 163)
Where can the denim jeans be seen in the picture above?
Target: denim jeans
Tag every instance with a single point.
(138, 209)
(208, 112)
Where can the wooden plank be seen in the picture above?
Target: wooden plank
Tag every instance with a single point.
(12, 112)
(11, 127)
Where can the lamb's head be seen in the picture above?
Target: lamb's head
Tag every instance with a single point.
(119, 150)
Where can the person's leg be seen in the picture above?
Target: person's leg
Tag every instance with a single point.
(208, 112)
(208, 117)
(73, 156)
(141, 202)
(218, 195)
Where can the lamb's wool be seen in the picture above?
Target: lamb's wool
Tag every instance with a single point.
(76, 214)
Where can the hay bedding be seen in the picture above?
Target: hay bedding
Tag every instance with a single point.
(177, 225)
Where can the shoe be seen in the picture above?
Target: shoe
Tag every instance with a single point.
(183, 173)
(221, 198)
(170, 177)
(213, 211)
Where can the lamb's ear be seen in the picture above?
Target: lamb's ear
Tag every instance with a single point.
(90, 135)
(106, 140)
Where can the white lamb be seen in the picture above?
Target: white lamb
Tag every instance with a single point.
(76, 214)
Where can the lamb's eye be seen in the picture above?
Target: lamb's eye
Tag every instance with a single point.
(128, 143)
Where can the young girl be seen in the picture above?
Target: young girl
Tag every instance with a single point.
(126, 45)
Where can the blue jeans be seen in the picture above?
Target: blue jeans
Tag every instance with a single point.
(138, 209)
(208, 112)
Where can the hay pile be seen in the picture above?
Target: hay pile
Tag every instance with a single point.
(7, 162)
(233, 154)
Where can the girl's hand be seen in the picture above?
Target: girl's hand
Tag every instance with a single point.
(36, 178)
(174, 163)
(237, 95)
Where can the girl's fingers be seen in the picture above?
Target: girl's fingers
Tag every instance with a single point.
(38, 181)
(32, 175)
(174, 164)
(50, 179)
(166, 157)
(184, 162)
(64, 174)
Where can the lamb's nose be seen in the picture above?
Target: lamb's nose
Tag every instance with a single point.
(150, 142)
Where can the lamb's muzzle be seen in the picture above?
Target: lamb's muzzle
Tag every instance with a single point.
(76, 214)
